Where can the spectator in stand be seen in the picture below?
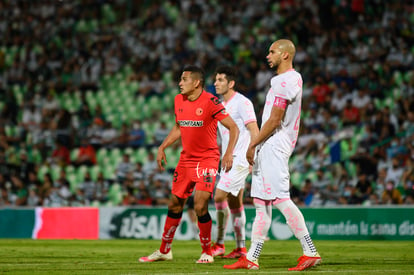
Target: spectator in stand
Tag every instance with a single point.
(60, 155)
(350, 114)
(129, 197)
(86, 155)
(33, 199)
(407, 178)
(362, 101)
(136, 135)
(150, 165)
(396, 149)
(138, 173)
(9, 112)
(88, 186)
(43, 139)
(20, 194)
(160, 133)
(321, 91)
(63, 127)
(109, 135)
(25, 167)
(124, 168)
(338, 101)
(84, 118)
(63, 186)
(363, 188)
(94, 133)
(45, 189)
(387, 129)
(33, 181)
(144, 196)
(50, 105)
(102, 189)
(395, 172)
(160, 192)
(123, 138)
(391, 195)
(31, 119)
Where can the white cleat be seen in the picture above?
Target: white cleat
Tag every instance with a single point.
(156, 256)
(205, 259)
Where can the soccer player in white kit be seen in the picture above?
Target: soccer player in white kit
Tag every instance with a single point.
(228, 197)
(273, 147)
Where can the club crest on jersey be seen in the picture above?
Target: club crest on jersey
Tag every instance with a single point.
(215, 100)
(199, 111)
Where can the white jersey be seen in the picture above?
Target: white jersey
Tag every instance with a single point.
(287, 86)
(241, 111)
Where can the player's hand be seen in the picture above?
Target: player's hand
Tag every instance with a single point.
(227, 162)
(161, 159)
(250, 155)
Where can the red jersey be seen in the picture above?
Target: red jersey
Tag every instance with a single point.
(198, 125)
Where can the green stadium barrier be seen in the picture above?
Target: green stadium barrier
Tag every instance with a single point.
(351, 223)
(341, 223)
(17, 223)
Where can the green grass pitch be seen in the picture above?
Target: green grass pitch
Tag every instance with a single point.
(22, 256)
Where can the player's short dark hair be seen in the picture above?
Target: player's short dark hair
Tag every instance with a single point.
(196, 72)
(229, 71)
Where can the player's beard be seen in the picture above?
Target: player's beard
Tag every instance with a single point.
(277, 63)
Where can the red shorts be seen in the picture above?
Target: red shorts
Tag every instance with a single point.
(203, 178)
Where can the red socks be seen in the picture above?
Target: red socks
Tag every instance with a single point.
(204, 225)
(171, 224)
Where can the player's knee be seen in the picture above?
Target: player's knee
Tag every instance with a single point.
(175, 206)
(220, 195)
(201, 209)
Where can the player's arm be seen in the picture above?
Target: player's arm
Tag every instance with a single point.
(172, 137)
(253, 129)
(266, 131)
(227, 160)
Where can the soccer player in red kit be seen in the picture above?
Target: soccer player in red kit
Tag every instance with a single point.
(196, 114)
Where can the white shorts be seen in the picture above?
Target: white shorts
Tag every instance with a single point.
(233, 181)
(270, 175)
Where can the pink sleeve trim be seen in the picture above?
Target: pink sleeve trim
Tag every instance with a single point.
(248, 121)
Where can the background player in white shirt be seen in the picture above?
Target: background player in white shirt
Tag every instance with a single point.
(228, 196)
(274, 145)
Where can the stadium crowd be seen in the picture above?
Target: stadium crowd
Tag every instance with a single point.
(356, 144)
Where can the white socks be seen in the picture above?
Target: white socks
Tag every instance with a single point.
(239, 224)
(260, 228)
(263, 220)
(296, 222)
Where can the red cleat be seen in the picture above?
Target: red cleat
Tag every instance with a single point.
(236, 253)
(243, 262)
(217, 250)
(305, 262)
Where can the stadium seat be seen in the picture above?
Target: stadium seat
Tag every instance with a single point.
(141, 155)
(55, 171)
(115, 156)
(296, 178)
(73, 182)
(101, 154)
(42, 171)
(80, 173)
(115, 194)
(94, 171)
(74, 154)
